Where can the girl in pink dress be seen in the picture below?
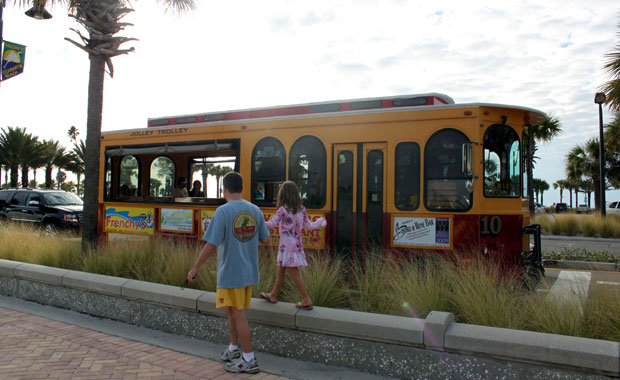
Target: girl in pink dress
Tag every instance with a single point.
(291, 217)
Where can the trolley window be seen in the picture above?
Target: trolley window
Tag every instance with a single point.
(307, 168)
(526, 158)
(108, 178)
(446, 187)
(502, 162)
(129, 174)
(407, 175)
(268, 170)
(161, 182)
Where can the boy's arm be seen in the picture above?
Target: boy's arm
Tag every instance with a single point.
(206, 251)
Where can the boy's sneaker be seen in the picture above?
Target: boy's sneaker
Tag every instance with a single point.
(229, 356)
(240, 365)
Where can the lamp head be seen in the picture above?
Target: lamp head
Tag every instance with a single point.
(600, 98)
(38, 12)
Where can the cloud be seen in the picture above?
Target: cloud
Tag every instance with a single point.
(280, 23)
(312, 18)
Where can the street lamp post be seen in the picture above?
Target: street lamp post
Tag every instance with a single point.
(600, 99)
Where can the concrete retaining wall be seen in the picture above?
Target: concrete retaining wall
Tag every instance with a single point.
(433, 348)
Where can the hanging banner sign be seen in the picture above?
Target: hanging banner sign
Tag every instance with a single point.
(13, 57)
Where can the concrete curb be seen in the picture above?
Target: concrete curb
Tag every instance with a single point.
(397, 346)
(581, 265)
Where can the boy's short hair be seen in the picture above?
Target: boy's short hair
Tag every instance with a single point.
(233, 182)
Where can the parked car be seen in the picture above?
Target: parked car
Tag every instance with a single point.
(613, 208)
(51, 209)
(561, 207)
(582, 209)
(539, 208)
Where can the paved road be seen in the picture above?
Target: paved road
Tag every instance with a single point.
(558, 243)
(39, 341)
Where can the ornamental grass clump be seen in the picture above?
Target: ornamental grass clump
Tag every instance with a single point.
(372, 284)
(566, 225)
(552, 313)
(483, 293)
(421, 286)
(30, 244)
(602, 313)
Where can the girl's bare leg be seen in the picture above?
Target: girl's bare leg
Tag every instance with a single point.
(273, 295)
(301, 285)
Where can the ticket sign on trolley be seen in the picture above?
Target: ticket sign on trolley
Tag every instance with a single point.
(129, 220)
(431, 232)
(314, 239)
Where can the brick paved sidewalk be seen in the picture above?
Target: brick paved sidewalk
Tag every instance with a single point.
(32, 347)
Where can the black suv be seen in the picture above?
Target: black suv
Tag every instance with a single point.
(52, 209)
(561, 207)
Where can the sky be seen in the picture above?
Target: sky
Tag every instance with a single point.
(240, 54)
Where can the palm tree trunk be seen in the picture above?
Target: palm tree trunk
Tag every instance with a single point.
(25, 175)
(597, 191)
(530, 174)
(91, 156)
(14, 176)
(48, 177)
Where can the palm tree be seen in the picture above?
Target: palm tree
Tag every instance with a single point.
(76, 163)
(218, 171)
(562, 184)
(612, 148)
(612, 87)
(544, 132)
(544, 186)
(583, 164)
(539, 187)
(12, 143)
(102, 19)
(30, 157)
(56, 157)
(73, 133)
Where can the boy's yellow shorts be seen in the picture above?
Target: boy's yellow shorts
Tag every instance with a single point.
(237, 297)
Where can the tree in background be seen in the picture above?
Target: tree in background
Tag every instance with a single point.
(102, 20)
(582, 164)
(561, 184)
(539, 187)
(76, 163)
(57, 157)
(12, 144)
(544, 132)
(218, 171)
(612, 87)
(73, 133)
(612, 148)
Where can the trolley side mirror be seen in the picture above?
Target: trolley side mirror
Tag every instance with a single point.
(467, 159)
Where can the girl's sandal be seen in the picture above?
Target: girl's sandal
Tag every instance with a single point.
(266, 297)
(303, 307)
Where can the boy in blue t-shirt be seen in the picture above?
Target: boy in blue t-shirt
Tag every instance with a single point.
(234, 232)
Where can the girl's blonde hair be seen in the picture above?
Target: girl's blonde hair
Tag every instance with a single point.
(288, 196)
